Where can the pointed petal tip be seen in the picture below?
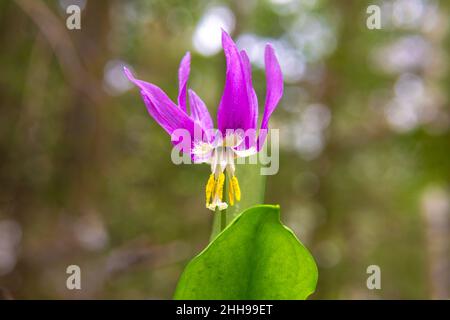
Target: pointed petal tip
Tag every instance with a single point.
(274, 86)
(269, 46)
(183, 76)
(270, 51)
(226, 37)
(187, 56)
(271, 61)
(244, 52)
(128, 74)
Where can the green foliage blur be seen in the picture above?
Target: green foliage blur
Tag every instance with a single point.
(86, 176)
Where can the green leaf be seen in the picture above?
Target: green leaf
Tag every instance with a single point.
(255, 257)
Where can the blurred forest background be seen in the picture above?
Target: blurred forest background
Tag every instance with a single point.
(86, 176)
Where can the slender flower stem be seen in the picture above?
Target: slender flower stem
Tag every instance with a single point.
(219, 223)
(223, 219)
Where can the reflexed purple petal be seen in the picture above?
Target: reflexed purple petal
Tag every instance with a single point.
(199, 111)
(154, 113)
(274, 89)
(161, 108)
(251, 91)
(183, 77)
(235, 108)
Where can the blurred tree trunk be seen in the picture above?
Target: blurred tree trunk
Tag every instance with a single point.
(85, 131)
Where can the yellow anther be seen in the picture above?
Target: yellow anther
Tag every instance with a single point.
(214, 191)
(231, 194)
(236, 188)
(209, 188)
(219, 186)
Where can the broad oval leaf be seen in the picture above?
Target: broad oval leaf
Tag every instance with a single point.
(255, 257)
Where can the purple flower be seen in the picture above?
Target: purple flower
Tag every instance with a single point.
(237, 117)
